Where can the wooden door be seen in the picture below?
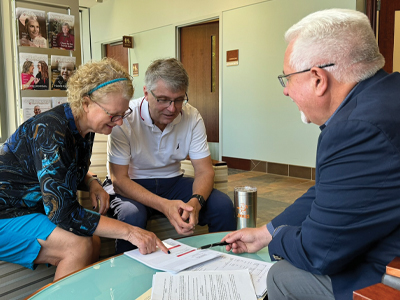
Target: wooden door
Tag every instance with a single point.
(119, 53)
(386, 35)
(199, 54)
(386, 30)
(99, 154)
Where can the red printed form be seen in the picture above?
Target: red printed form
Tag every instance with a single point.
(182, 257)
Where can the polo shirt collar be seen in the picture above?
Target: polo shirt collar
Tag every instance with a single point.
(144, 113)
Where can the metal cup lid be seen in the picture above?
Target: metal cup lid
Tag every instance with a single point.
(248, 189)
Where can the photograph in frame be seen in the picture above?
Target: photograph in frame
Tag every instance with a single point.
(62, 68)
(32, 106)
(61, 31)
(34, 71)
(31, 28)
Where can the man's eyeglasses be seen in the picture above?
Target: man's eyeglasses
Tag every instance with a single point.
(283, 79)
(114, 118)
(166, 102)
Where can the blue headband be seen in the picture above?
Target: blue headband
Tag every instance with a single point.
(104, 84)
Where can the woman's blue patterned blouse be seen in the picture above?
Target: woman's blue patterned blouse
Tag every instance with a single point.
(41, 165)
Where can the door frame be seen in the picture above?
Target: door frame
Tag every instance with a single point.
(384, 43)
(216, 17)
(371, 8)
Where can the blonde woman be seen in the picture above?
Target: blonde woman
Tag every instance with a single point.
(32, 36)
(27, 78)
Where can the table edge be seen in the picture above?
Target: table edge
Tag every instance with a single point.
(100, 261)
(70, 274)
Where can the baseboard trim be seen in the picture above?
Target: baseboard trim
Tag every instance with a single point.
(270, 167)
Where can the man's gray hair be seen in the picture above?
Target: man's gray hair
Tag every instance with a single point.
(171, 71)
(340, 36)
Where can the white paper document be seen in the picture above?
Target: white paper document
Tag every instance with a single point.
(258, 269)
(182, 257)
(203, 285)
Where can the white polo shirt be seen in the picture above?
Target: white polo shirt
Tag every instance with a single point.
(152, 153)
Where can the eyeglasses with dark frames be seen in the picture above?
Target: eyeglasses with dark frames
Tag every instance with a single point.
(166, 102)
(114, 118)
(283, 79)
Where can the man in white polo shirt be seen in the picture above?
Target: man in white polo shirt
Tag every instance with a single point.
(144, 156)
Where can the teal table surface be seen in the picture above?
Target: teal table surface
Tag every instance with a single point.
(121, 277)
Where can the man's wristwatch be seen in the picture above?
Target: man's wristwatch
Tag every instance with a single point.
(200, 198)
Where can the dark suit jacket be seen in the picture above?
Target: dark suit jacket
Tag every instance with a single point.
(348, 225)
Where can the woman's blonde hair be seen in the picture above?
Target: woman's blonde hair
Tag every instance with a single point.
(25, 67)
(92, 74)
(29, 20)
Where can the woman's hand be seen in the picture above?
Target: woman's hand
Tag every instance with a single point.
(99, 197)
(146, 241)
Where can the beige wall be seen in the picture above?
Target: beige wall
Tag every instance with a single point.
(258, 121)
(396, 50)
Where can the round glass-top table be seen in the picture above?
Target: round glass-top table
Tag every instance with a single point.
(121, 277)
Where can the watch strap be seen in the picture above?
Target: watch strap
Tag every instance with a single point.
(200, 198)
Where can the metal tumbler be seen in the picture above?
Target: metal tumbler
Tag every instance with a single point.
(245, 201)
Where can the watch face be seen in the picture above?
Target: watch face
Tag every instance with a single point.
(200, 198)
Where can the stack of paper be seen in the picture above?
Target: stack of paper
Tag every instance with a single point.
(198, 263)
(203, 285)
(226, 262)
(182, 257)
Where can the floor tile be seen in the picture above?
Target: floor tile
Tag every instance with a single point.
(274, 192)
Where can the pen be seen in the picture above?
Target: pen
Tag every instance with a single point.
(213, 245)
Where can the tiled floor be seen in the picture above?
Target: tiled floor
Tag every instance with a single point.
(274, 192)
